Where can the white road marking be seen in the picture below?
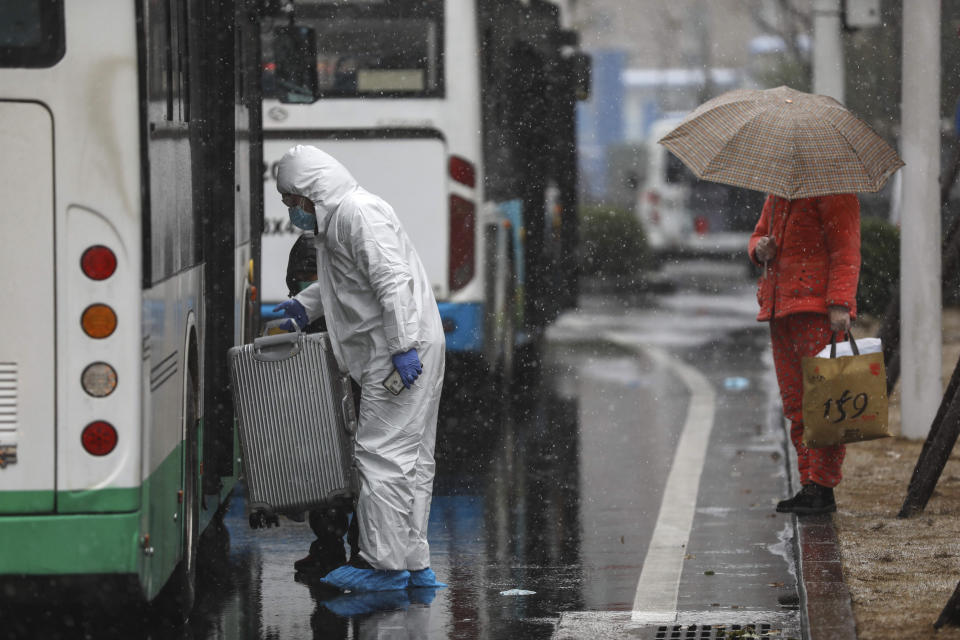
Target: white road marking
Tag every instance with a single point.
(659, 584)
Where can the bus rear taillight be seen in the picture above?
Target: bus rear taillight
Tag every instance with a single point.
(99, 379)
(98, 321)
(99, 438)
(463, 171)
(98, 262)
(463, 222)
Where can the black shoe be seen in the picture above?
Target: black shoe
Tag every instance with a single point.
(819, 500)
(813, 499)
(786, 506)
(307, 563)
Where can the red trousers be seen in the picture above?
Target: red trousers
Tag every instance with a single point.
(794, 337)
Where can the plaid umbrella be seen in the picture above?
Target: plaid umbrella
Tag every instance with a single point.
(781, 141)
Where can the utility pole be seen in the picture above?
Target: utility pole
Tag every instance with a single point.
(828, 59)
(920, 267)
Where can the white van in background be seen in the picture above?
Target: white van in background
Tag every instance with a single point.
(680, 213)
(663, 195)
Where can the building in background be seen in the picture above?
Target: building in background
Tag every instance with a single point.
(654, 59)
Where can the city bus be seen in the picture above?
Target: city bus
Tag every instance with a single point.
(460, 114)
(131, 212)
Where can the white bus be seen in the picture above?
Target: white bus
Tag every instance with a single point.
(131, 183)
(460, 114)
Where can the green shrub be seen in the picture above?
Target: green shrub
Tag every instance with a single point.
(612, 243)
(880, 266)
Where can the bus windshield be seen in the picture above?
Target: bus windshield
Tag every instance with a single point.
(31, 33)
(369, 49)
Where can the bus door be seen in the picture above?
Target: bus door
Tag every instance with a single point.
(27, 353)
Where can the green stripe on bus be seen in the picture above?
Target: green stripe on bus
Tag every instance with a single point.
(26, 501)
(88, 542)
(99, 500)
(61, 545)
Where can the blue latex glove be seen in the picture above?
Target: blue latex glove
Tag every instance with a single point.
(408, 366)
(294, 310)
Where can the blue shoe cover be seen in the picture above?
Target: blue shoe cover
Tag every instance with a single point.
(358, 604)
(425, 578)
(422, 595)
(347, 578)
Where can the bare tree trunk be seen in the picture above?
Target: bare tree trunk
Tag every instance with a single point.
(890, 339)
(951, 613)
(936, 450)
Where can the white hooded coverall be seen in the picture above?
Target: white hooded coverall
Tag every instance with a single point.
(378, 302)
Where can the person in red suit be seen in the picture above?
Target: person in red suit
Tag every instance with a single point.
(809, 249)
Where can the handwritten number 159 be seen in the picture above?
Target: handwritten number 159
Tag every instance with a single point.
(859, 403)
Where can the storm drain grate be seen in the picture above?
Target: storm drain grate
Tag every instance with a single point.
(765, 631)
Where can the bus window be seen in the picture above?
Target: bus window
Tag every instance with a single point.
(295, 56)
(363, 57)
(31, 33)
(375, 50)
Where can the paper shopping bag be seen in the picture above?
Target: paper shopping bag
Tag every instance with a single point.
(844, 398)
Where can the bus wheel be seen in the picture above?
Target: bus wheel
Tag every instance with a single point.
(177, 597)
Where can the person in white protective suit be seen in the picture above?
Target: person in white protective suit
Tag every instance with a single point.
(381, 315)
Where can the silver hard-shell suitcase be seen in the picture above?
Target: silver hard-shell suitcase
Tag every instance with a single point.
(297, 424)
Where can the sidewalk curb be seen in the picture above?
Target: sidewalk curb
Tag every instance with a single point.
(826, 612)
(823, 593)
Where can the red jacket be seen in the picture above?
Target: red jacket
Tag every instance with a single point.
(817, 264)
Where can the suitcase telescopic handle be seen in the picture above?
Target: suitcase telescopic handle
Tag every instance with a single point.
(278, 347)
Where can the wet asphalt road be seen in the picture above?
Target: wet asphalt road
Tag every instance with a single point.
(552, 486)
